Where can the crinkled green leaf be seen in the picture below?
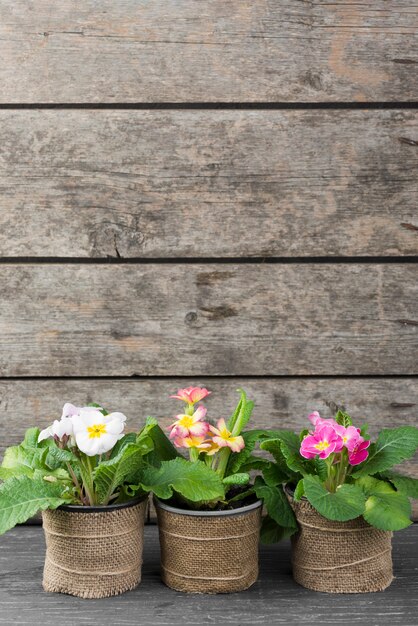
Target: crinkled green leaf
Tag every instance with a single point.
(109, 475)
(274, 475)
(194, 481)
(320, 468)
(21, 498)
(299, 491)
(276, 504)
(405, 484)
(237, 479)
(271, 532)
(346, 503)
(343, 419)
(386, 508)
(122, 443)
(237, 460)
(393, 446)
(163, 448)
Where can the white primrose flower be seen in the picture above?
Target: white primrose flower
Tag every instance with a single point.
(59, 428)
(96, 433)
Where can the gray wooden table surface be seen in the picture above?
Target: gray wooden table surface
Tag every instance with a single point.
(274, 599)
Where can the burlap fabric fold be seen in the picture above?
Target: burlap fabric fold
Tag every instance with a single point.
(209, 554)
(93, 554)
(339, 557)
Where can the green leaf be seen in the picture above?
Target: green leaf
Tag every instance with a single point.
(241, 416)
(21, 498)
(98, 406)
(237, 479)
(122, 443)
(243, 495)
(393, 446)
(276, 504)
(17, 456)
(272, 533)
(31, 438)
(343, 419)
(274, 475)
(195, 481)
(299, 491)
(386, 508)
(388, 511)
(345, 504)
(237, 460)
(109, 475)
(405, 484)
(320, 468)
(294, 459)
(163, 448)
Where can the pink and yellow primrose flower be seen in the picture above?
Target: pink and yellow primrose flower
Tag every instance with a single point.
(191, 395)
(192, 442)
(190, 425)
(222, 437)
(323, 442)
(359, 453)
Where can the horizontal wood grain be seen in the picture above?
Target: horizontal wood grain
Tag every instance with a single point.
(188, 50)
(274, 599)
(210, 319)
(279, 403)
(168, 184)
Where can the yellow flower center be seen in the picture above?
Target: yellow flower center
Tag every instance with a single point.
(186, 421)
(345, 439)
(97, 430)
(322, 445)
(225, 434)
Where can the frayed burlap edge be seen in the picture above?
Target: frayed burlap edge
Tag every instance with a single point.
(209, 554)
(339, 557)
(94, 554)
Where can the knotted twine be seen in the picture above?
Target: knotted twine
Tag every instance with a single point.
(339, 557)
(93, 554)
(209, 554)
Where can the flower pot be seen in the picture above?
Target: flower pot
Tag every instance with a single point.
(339, 557)
(94, 552)
(209, 551)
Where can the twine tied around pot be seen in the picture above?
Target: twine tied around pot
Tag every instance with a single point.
(93, 554)
(209, 554)
(339, 557)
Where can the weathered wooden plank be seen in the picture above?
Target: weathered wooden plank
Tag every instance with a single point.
(208, 183)
(256, 50)
(274, 599)
(208, 319)
(280, 403)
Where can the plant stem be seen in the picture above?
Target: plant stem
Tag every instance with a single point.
(223, 461)
(194, 454)
(74, 479)
(87, 477)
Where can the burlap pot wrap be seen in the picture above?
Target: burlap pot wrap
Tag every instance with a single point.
(339, 557)
(91, 553)
(209, 552)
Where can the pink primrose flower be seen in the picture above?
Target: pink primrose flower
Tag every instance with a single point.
(323, 442)
(191, 395)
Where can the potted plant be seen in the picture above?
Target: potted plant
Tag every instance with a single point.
(208, 514)
(77, 472)
(346, 499)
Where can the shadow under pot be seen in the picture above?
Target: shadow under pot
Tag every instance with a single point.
(94, 551)
(209, 551)
(339, 557)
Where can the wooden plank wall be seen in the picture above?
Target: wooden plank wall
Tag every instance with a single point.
(218, 193)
